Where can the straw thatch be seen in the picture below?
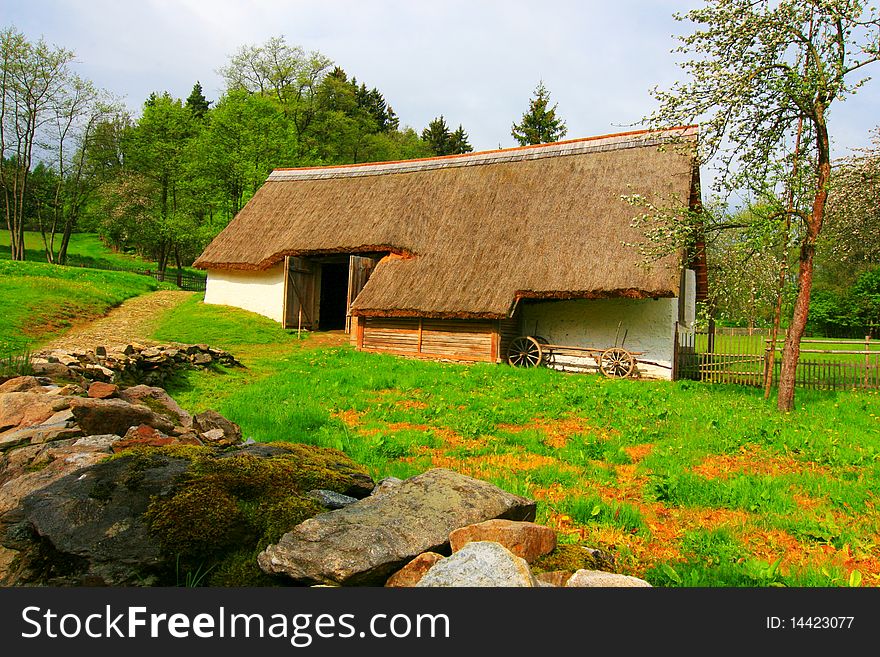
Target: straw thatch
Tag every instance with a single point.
(475, 232)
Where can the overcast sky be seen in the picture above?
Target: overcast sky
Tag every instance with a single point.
(475, 61)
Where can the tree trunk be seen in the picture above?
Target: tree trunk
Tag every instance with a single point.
(792, 349)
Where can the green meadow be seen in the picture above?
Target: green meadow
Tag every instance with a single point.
(687, 484)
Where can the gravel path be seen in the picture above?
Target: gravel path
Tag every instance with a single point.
(130, 322)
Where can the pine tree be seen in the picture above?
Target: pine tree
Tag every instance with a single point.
(458, 142)
(539, 125)
(196, 102)
(437, 136)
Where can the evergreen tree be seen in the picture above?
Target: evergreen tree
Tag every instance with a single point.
(458, 142)
(197, 103)
(539, 125)
(437, 136)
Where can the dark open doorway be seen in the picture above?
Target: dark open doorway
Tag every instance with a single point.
(334, 295)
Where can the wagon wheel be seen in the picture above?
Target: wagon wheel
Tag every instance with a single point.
(617, 362)
(525, 351)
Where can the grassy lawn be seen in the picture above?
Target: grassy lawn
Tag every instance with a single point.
(85, 250)
(756, 344)
(687, 484)
(39, 301)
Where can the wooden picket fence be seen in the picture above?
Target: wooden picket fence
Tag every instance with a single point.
(745, 360)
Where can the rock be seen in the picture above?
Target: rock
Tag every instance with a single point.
(101, 390)
(25, 409)
(481, 563)
(209, 420)
(32, 468)
(554, 578)
(385, 485)
(19, 384)
(599, 578)
(159, 401)
(411, 573)
(524, 539)
(365, 542)
(151, 352)
(101, 351)
(330, 499)
(102, 416)
(202, 359)
(98, 372)
(55, 370)
(94, 520)
(146, 436)
(128, 350)
(153, 516)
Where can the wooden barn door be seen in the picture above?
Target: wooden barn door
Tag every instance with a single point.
(359, 270)
(300, 307)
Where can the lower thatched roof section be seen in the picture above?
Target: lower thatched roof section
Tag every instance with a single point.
(476, 232)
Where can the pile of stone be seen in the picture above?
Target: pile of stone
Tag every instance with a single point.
(49, 430)
(130, 363)
(409, 526)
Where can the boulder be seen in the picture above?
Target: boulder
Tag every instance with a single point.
(365, 542)
(159, 402)
(25, 409)
(34, 467)
(153, 515)
(101, 390)
(202, 360)
(210, 420)
(524, 539)
(19, 384)
(103, 416)
(55, 370)
(599, 578)
(481, 563)
(412, 573)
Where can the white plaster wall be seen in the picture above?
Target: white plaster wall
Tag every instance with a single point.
(649, 325)
(258, 291)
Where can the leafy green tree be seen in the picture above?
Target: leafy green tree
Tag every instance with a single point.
(539, 125)
(33, 78)
(157, 149)
(756, 69)
(285, 73)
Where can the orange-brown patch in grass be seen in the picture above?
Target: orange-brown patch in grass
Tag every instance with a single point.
(772, 544)
(350, 417)
(557, 432)
(411, 404)
(752, 460)
(638, 453)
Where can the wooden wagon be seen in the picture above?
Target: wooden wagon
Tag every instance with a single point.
(533, 351)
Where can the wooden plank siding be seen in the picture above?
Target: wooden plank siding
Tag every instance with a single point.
(508, 330)
(455, 339)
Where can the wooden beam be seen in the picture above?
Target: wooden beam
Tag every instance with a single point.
(284, 301)
(421, 325)
(495, 335)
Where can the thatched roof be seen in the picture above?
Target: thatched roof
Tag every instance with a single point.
(473, 233)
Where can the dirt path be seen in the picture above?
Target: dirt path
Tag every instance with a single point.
(131, 322)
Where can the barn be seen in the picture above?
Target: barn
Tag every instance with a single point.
(454, 257)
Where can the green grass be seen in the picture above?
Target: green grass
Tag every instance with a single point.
(84, 250)
(689, 484)
(40, 301)
(756, 345)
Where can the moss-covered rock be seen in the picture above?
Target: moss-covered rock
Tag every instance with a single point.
(179, 514)
(572, 557)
